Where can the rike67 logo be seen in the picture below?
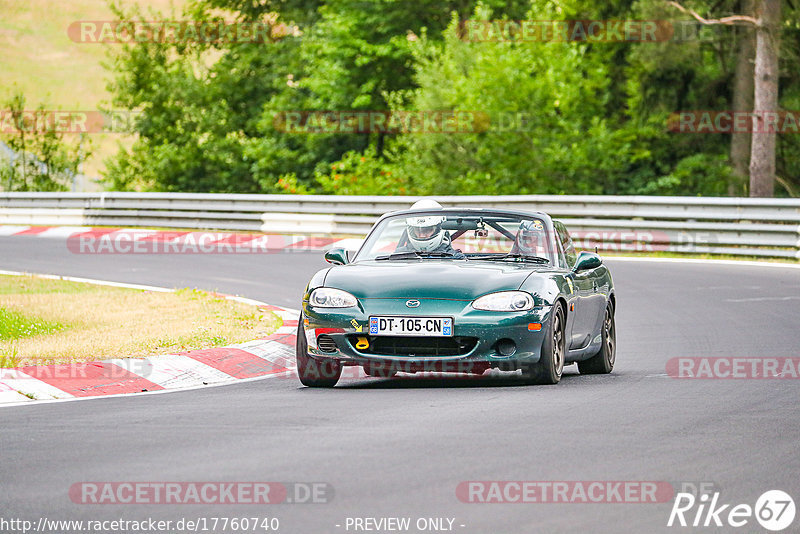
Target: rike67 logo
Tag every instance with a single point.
(774, 510)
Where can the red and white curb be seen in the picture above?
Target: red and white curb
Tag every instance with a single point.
(261, 358)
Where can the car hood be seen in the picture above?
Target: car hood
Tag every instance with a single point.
(446, 279)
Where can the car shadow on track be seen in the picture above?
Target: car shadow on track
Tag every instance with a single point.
(503, 380)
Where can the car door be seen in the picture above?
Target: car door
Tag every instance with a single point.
(599, 298)
(584, 291)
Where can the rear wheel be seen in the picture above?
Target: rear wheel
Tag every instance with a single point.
(314, 373)
(551, 363)
(603, 362)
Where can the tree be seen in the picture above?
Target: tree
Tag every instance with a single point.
(765, 81)
(593, 113)
(207, 110)
(41, 160)
(762, 154)
(576, 117)
(742, 100)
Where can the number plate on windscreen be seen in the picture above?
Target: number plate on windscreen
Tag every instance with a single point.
(411, 326)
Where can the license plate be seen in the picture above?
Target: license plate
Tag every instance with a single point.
(411, 326)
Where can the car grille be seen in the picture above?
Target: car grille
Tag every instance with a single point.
(325, 343)
(418, 346)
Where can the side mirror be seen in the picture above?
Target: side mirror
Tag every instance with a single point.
(587, 261)
(337, 256)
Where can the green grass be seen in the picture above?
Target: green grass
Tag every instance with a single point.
(10, 359)
(14, 325)
(39, 60)
(110, 322)
(32, 285)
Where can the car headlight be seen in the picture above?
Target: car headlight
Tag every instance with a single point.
(327, 297)
(510, 301)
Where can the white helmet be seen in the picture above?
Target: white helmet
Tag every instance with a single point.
(425, 231)
(426, 204)
(530, 236)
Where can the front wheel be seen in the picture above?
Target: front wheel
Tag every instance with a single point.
(603, 362)
(312, 372)
(551, 363)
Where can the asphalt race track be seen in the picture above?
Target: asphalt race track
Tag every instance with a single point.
(400, 447)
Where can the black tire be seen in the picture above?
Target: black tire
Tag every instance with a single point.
(314, 373)
(603, 362)
(551, 363)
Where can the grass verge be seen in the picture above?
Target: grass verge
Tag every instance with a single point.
(41, 61)
(15, 325)
(46, 321)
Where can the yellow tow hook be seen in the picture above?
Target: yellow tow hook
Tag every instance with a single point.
(362, 344)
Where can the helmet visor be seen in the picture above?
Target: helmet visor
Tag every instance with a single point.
(423, 233)
(529, 240)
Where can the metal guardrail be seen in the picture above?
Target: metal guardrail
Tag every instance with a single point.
(737, 226)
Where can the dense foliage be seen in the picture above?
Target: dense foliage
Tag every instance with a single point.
(560, 117)
(36, 156)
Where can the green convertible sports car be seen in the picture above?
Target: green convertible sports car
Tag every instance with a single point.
(458, 290)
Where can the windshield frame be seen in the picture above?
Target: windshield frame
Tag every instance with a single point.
(379, 226)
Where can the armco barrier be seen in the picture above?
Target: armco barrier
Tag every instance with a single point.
(737, 226)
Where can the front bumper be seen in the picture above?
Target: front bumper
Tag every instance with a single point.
(480, 334)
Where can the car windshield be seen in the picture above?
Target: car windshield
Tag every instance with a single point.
(459, 235)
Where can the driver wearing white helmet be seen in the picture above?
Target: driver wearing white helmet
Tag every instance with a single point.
(425, 233)
(530, 238)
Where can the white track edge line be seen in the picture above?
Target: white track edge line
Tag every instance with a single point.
(745, 263)
(142, 393)
(146, 288)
